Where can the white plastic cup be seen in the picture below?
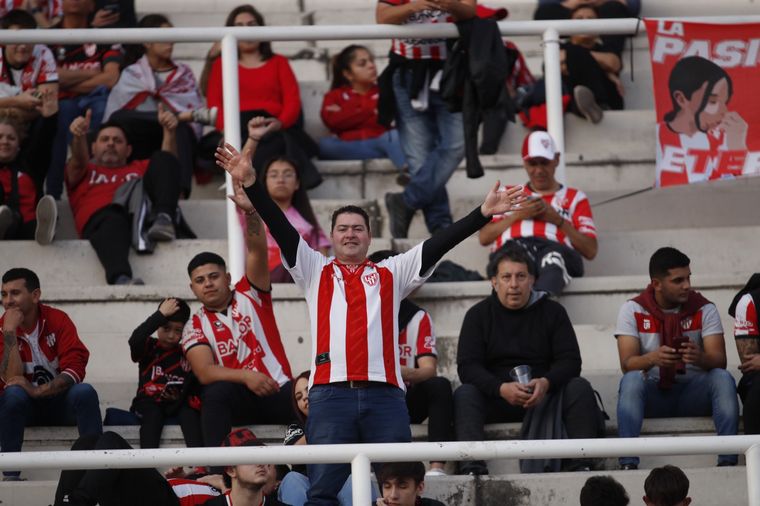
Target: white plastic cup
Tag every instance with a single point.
(521, 374)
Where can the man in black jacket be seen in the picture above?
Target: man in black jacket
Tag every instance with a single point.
(516, 326)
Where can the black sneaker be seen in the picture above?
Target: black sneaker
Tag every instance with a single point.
(162, 229)
(399, 215)
(404, 177)
(474, 468)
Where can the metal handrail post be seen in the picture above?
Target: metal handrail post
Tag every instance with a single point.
(553, 83)
(361, 481)
(753, 474)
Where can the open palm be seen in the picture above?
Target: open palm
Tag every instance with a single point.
(238, 165)
(500, 202)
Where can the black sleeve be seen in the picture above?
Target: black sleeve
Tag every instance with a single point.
(471, 352)
(566, 356)
(447, 238)
(283, 232)
(142, 333)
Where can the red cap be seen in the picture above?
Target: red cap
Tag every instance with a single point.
(241, 437)
(484, 12)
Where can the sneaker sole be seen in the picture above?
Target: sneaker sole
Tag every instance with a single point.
(586, 103)
(396, 234)
(47, 217)
(161, 235)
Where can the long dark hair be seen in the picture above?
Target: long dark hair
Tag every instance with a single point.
(134, 52)
(300, 200)
(301, 417)
(688, 75)
(342, 62)
(265, 48)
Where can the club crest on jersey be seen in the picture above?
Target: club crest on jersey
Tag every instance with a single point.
(686, 323)
(90, 49)
(218, 324)
(371, 279)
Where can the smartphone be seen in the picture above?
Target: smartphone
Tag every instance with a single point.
(112, 8)
(679, 341)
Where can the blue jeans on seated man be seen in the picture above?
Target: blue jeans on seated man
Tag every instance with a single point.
(711, 393)
(386, 145)
(342, 415)
(68, 110)
(294, 487)
(433, 141)
(79, 405)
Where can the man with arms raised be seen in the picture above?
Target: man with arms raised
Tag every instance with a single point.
(357, 391)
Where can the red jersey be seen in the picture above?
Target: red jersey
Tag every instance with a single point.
(40, 69)
(245, 338)
(570, 203)
(98, 187)
(354, 314)
(88, 56)
(416, 340)
(421, 49)
(8, 5)
(745, 321)
(51, 348)
(27, 193)
(356, 117)
(191, 492)
(271, 87)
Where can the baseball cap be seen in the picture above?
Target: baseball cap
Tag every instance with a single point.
(538, 144)
(241, 437)
(484, 12)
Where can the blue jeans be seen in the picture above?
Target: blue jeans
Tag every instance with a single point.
(79, 405)
(384, 146)
(68, 110)
(713, 392)
(433, 141)
(294, 486)
(342, 415)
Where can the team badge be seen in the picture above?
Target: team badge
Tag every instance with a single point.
(371, 279)
(218, 324)
(90, 49)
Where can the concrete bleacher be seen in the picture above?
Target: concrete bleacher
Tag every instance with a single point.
(608, 160)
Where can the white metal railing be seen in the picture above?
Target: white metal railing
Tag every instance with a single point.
(360, 455)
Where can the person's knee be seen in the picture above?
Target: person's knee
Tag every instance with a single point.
(84, 394)
(579, 388)
(439, 386)
(15, 399)
(466, 398)
(722, 379)
(216, 393)
(110, 440)
(164, 160)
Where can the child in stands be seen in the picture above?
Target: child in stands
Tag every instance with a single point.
(402, 483)
(349, 110)
(166, 387)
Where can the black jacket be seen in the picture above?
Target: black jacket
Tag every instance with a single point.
(475, 79)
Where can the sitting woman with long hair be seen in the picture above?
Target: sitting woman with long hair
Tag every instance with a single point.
(349, 110)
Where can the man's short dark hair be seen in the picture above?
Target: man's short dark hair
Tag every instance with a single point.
(513, 252)
(111, 124)
(204, 258)
(603, 491)
(380, 255)
(665, 259)
(20, 18)
(182, 314)
(31, 279)
(666, 486)
(349, 209)
(401, 470)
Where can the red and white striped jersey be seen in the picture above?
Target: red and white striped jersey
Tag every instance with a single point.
(416, 339)
(8, 5)
(191, 492)
(745, 321)
(245, 338)
(570, 203)
(40, 69)
(421, 49)
(354, 314)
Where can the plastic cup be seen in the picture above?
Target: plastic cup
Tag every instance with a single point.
(521, 374)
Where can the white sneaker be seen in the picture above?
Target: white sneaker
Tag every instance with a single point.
(436, 472)
(47, 217)
(6, 220)
(205, 115)
(587, 105)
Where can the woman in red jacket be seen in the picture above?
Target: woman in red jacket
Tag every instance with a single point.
(349, 110)
(268, 88)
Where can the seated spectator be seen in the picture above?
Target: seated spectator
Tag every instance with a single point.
(591, 71)
(672, 353)
(93, 184)
(428, 396)
(46, 12)
(744, 311)
(114, 14)
(21, 215)
(29, 88)
(296, 483)
(283, 184)
(117, 487)
(515, 326)
(155, 78)
(268, 88)
(167, 386)
(402, 484)
(666, 486)
(243, 368)
(555, 226)
(86, 73)
(604, 491)
(349, 110)
(43, 366)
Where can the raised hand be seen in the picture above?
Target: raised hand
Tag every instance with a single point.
(168, 307)
(239, 197)
(81, 125)
(239, 166)
(166, 118)
(502, 201)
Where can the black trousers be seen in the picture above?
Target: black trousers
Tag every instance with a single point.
(749, 393)
(584, 70)
(112, 487)
(146, 135)
(153, 415)
(109, 230)
(432, 399)
(552, 262)
(37, 149)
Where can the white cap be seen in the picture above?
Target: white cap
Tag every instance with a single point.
(539, 144)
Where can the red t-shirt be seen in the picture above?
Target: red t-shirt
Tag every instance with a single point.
(357, 117)
(97, 188)
(27, 194)
(271, 87)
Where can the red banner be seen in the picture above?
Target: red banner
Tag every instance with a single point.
(707, 98)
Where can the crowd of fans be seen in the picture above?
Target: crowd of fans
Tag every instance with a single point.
(136, 124)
